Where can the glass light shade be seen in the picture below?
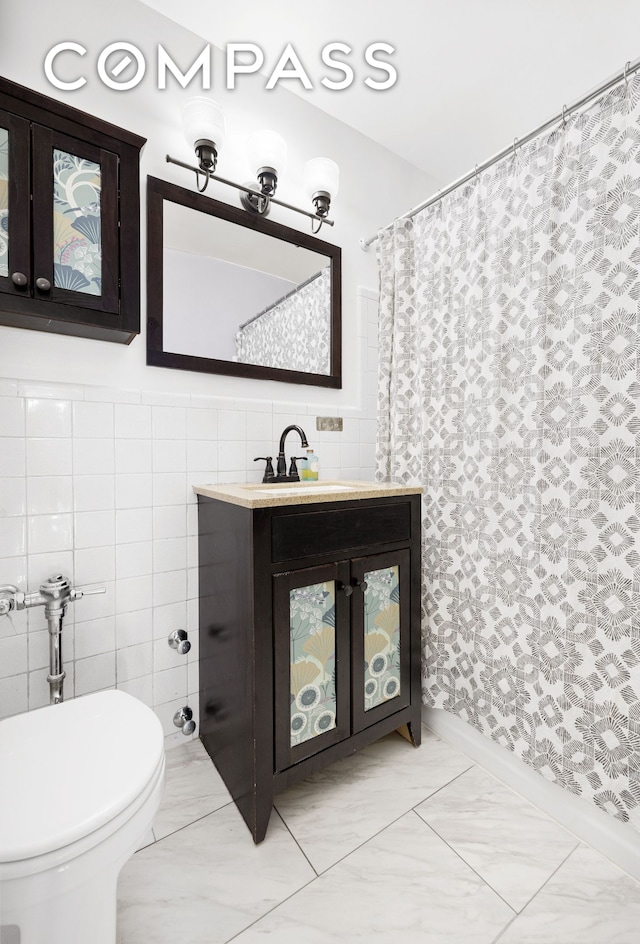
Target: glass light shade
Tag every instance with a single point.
(203, 120)
(321, 174)
(267, 149)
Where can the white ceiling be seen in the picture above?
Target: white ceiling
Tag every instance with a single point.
(473, 74)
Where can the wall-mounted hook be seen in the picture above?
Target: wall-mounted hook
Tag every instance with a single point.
(183, 718)
(178, 641)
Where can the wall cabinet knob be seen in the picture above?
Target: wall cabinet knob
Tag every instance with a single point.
(19, 279)
(43, 284)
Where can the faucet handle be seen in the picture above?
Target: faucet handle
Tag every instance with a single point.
(268, 472)
(293, 468)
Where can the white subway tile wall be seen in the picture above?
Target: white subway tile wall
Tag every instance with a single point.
(97, 483)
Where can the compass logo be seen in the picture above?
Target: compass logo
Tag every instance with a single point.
(122, 66)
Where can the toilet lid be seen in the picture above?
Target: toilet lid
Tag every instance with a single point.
(68, 769)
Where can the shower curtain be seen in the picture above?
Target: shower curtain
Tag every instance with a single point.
(510, 389)
(295, 333)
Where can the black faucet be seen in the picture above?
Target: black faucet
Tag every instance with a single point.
(281, 475)
(281, 468)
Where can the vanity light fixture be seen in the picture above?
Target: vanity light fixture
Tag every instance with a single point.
(204, 127)
(205, 130)
(320, 179)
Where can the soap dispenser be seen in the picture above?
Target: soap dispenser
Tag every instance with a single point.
(310, 469)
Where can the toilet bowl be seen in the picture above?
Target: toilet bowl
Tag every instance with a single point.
(80, 784)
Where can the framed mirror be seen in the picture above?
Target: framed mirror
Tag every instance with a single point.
(233, 293)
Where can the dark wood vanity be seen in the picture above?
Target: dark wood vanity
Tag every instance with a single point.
(309, 632)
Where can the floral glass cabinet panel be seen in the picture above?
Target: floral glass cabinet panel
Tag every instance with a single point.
(311, 657)
(75, 212)
(312, 639)
(14, 201)
(4, 201)
(77, 230)
(380, 636)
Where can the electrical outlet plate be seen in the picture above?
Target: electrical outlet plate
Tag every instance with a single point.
(329, 424)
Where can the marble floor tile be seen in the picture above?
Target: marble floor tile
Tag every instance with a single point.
(193, 789)
(207, 882)
(404, 885)
(587, 901)
(337, 809)
(513, 846)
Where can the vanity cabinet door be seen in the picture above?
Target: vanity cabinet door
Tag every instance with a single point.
(15, 218)
(312, 683)
(380, 636)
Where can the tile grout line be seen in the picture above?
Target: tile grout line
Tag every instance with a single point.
(186, 825)
(278, 905)
(460, 856)
(468, 865)
(444, 786)
(365, 841)
(326, 871)
(283, 821)
(547, 880)
(544, 884)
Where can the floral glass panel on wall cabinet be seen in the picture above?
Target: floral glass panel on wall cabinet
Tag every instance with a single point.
(4, 202)
(76, 223)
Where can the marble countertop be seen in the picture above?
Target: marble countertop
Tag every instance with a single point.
(301, 493)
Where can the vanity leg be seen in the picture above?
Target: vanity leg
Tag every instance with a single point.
(412, 732)
(262, 811)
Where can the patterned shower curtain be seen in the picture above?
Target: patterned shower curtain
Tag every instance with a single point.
(510, 389)
(295, 333)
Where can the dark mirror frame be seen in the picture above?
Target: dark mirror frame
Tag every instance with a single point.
(160, 190)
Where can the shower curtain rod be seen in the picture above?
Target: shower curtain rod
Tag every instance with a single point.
(628, 70)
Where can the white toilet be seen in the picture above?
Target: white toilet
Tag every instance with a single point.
(80, 784)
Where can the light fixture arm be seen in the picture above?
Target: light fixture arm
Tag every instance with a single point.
(248, 190)
(207, 177)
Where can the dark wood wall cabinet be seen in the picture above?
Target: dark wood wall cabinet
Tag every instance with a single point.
(69, 219)
(309, 637)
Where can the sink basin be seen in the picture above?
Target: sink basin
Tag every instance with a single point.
(299, 488)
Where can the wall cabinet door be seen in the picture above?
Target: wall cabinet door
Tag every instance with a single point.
(15, 215)
(342, 651)
(75, 222)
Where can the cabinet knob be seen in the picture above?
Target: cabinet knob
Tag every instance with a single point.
(348, 589)
(43, 284)
(19, 279)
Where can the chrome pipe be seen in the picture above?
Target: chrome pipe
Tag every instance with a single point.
(57, 674)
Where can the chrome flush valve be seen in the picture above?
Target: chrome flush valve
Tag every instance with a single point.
(54, 595)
